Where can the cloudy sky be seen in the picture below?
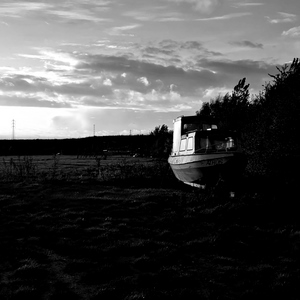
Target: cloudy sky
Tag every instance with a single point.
(121, 66)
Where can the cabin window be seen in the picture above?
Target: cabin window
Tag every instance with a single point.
(201, 144)
(204, 144)
(190, 145)
(182, 145)
(220, 145)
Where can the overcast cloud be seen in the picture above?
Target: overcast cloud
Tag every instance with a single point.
(142, 63)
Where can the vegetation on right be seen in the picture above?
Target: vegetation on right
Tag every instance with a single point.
(268, 124)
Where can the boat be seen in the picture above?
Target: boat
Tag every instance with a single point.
(201, 153)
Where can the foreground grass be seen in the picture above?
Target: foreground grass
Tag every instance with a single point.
(65, 239)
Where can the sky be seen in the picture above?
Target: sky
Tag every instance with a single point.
(72, 69)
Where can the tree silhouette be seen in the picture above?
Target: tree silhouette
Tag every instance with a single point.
(162, 141)
(269, 123)
(274, 133)
(229, 110)
(160, 130)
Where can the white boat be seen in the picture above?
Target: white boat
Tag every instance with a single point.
(201, 152)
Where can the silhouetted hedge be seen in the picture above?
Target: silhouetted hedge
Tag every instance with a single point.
(268, 123)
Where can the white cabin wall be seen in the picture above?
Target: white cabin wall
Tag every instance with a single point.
(176, 136)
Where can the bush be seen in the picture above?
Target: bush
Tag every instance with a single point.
(268, 124)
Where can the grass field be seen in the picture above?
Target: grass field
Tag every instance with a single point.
(88, 229)
(73, 168)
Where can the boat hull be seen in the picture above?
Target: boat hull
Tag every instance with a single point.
(200, 168)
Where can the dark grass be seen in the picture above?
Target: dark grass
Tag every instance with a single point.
(115, 169)
(87, 239)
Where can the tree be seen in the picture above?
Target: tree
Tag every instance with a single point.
(269, 123)
(160, 130)
(162, 144)
(273, 136)
(229, 110)
(240, 94)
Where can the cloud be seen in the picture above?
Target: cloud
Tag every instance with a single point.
(153, 100)
(65, 11)
(57, 56)
(68, 122)
(190, 45)
(17, 83)
(154, 15)
(248, 44)
(57, 64)
(130, 80)
(256, 72)
(170, 19)
(48, 93)
(80, 15)
(169, 44)
(140, 15)
(292, 32)
(203, 73)
(173, 52)
(119, 31)
(107, 82)
(248, 4)
(144, 80)
(137, 69)
(205, 6)
(30, 101)
(175, 45)
(285, 18)
(16, 9)
(225, 17)
(157, 51)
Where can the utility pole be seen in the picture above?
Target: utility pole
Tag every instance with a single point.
(94, 129)
(13, 129)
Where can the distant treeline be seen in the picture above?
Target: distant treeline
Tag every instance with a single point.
(153, 144)
(90, 146)
(268, 123)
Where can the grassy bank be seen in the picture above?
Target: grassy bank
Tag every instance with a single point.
(115, 169)
(78, 238)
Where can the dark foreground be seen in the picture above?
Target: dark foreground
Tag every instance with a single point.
(82, 240)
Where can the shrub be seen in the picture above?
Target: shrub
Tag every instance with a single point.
(268, 123)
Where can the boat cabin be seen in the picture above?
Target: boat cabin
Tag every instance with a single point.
(194, 134)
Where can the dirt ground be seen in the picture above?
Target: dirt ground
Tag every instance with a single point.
(89, 240)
